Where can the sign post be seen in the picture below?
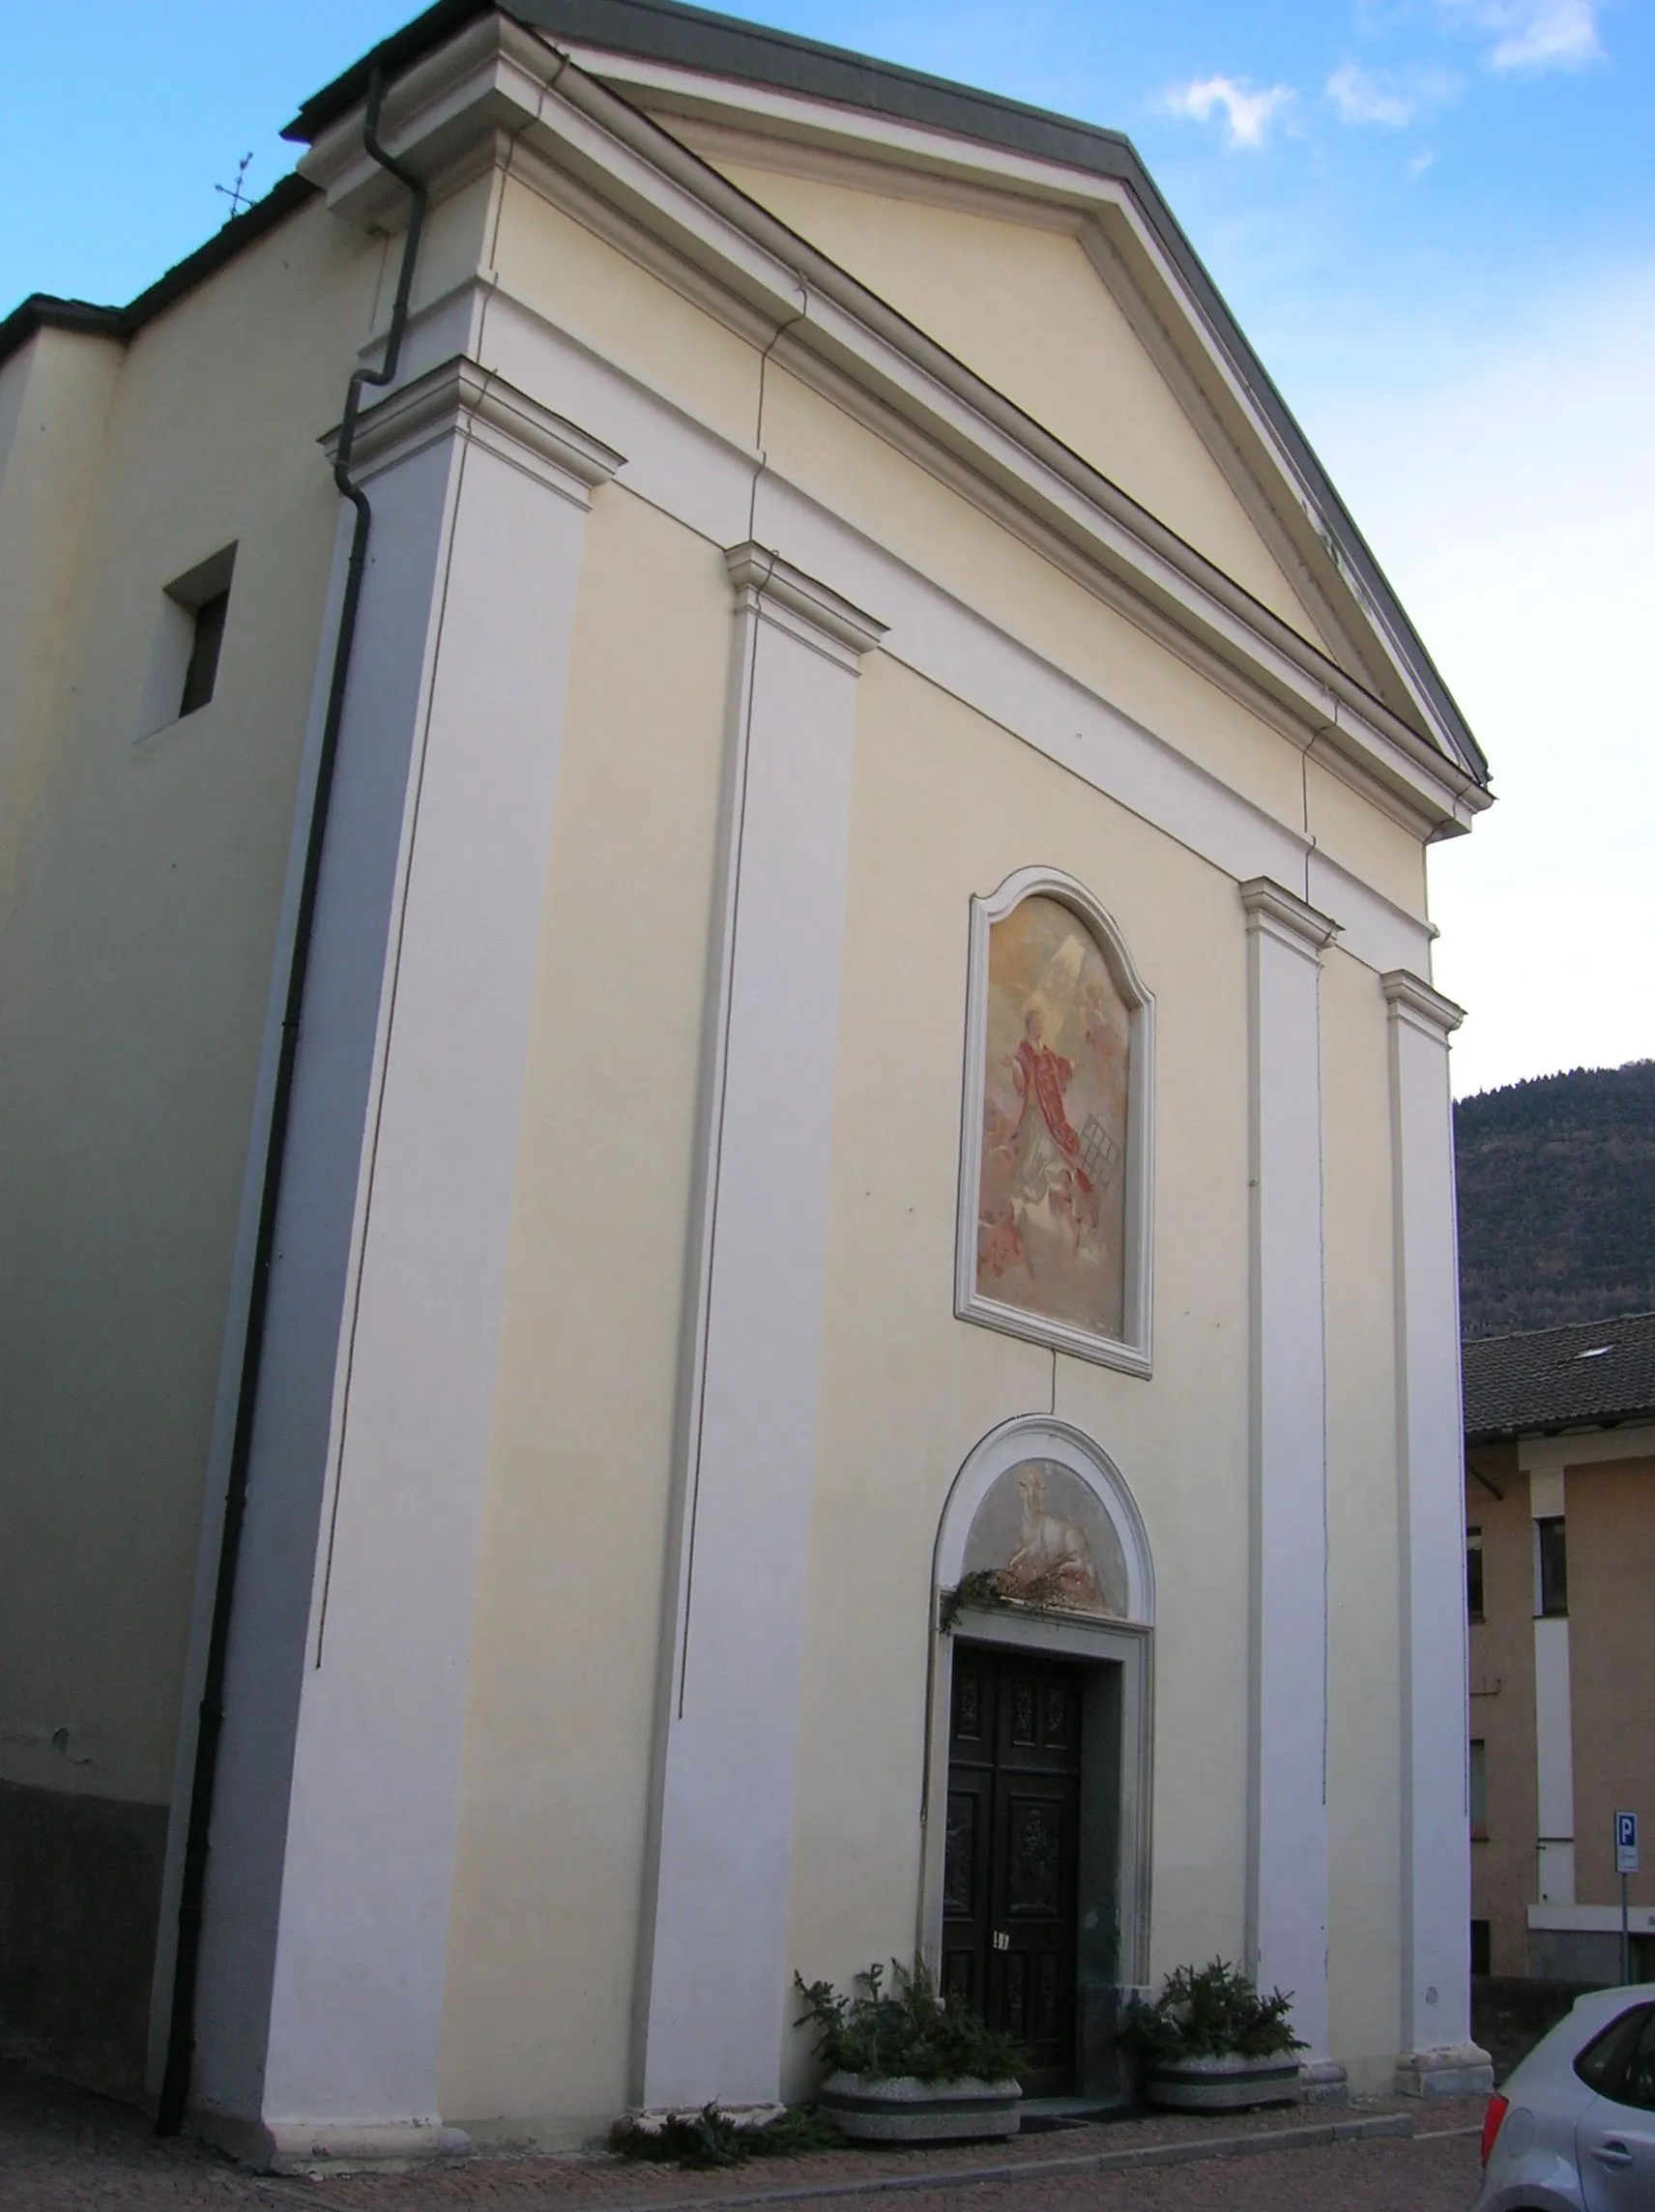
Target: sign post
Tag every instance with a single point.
(1625, 1863)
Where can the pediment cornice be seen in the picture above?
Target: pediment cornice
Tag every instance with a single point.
(497, 86)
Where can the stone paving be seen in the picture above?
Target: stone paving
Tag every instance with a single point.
(62, 2150)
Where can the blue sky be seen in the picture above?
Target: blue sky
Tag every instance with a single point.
(1436, 218)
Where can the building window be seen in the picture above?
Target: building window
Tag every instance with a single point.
(183, 670)
(1475, 1573)
(1479, 1788)
(206, 636)
(1480, 1948)
(1550, 1567)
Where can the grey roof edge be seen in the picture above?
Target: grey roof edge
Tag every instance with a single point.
(1574, 1424)
(45, 312)
(1514, 1403)
(1561, 1329)
(719, 44)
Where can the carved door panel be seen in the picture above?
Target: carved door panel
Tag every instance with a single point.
(1010, 1856)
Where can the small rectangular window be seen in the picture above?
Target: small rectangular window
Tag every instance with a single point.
(1475, 1573)
(1552, 1567)
(205, 638)
(1481, 1948)
(183, 672)
(1479, 1788)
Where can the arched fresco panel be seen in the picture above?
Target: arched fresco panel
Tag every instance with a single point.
(1052, 1190)
(1056, 1169)
(1044, 1538)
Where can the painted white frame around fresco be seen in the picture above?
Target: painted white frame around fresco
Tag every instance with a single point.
(1131, 1351)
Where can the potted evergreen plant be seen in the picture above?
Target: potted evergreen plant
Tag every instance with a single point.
(1210, 2043)
(905, 2067)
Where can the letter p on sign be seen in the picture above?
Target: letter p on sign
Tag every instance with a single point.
(1626, 1843)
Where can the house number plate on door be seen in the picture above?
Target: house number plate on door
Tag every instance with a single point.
(1001, 1940)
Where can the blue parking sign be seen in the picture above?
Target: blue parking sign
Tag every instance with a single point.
(1626, 1843)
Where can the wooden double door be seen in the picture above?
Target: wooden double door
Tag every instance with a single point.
(1011, 1856)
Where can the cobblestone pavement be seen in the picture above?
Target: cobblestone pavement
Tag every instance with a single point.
(62, 2150)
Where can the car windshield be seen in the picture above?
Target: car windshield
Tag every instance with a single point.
(1602, 2065)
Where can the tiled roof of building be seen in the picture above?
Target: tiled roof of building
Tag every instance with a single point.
(1584, 1375)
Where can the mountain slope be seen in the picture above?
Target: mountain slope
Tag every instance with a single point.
(1557, 1199)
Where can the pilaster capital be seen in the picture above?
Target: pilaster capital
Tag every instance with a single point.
(460, 398)
(817, 616)
(1411, 1000)
(1273, 910)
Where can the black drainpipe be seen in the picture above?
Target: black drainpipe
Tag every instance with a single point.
(181, 2038)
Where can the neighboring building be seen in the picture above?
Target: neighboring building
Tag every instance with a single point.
(845, 612)
(1561, 1564)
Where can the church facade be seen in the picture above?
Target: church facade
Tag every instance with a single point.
(747, 1052)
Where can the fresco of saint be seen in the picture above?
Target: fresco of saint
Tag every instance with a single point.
(1051, 1201)
(1046, 1541)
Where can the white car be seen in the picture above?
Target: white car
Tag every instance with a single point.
(1573, 2127)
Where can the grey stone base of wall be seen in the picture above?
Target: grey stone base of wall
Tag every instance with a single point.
(328, 2146)
(1587, 1955)
(79, 1894)
(1447, 2070)
(1323, 2081)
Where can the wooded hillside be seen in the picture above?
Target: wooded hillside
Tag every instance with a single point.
(1557, 1199)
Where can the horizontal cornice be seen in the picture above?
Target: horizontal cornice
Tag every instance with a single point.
(460, 395)
(1413, 1000)
(1276, 912)
(773, 586)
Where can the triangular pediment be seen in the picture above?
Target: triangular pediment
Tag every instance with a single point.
(1036, 301)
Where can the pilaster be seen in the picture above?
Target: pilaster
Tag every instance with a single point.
(334, 1828)
(1437, 2056)
(1288, 1887)
(714, 1974)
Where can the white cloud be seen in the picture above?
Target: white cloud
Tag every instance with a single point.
(1248, 114)
(1363, 97)
(1534, 34)
(1424, 159)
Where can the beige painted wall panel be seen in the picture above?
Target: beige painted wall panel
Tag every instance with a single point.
(1364, 1721)
(560, 1703)
(1363, 839)
(946, 805)
(1609, 1515)
(900, 505)
(1501, 1704)
(1023, 306)
(134, 972)
(619, 307)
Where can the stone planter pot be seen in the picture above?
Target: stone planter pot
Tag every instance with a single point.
(1228, 2084)
(870, 2108)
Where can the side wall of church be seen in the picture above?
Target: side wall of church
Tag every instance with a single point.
(135, 956)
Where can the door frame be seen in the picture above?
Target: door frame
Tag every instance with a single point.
(1115, 1863)
(1118, 1734)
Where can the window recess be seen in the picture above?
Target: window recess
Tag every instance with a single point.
(1550, 1567)
(183, 670)
(1479, 1792)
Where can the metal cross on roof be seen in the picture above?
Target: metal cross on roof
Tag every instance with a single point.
(234, 194)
